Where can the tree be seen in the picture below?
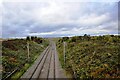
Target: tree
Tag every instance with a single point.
(28, 38)
(86, 37)
(32, 38)
(73, 39)
(65, 38)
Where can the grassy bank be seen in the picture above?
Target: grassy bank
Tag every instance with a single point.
(91, 56)
(15, 55)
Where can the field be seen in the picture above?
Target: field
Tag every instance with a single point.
(90, 56)
(15, 55)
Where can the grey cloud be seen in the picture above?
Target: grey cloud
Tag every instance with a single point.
(19, 19)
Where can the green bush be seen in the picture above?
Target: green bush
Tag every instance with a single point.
(14, 54)
(91, 56)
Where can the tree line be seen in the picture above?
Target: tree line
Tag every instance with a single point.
(89, 38)
(35, 39)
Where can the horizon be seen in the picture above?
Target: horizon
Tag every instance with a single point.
(58, 36)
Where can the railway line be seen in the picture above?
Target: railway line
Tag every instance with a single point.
(46, 66)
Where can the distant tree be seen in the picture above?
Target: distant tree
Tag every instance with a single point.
(28, 38)
(112, 35)
(73, 39)
(32, 38)
(65, 38)
(35, 38)
(86, 37)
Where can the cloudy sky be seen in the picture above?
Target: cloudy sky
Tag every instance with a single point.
(57, 18)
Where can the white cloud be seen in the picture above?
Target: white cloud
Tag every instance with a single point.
(56, 13)
(62, 13)
(0, 19)
(94, 19)
(61, 0)
(40, 18)
(72, 32)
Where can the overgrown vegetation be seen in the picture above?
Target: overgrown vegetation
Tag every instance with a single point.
(91, 56)
(15, 55)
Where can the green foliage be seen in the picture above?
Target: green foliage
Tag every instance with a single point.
(91, 56)
(65, 38)
(14, 54)
(28, 38)
(20, 72)
(35, 39)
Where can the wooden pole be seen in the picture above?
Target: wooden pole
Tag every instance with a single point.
(64, 51)
(28, 50)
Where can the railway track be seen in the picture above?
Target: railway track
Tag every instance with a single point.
(46, 66)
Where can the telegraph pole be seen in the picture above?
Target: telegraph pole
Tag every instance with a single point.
(64, 43)
(28, 49)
